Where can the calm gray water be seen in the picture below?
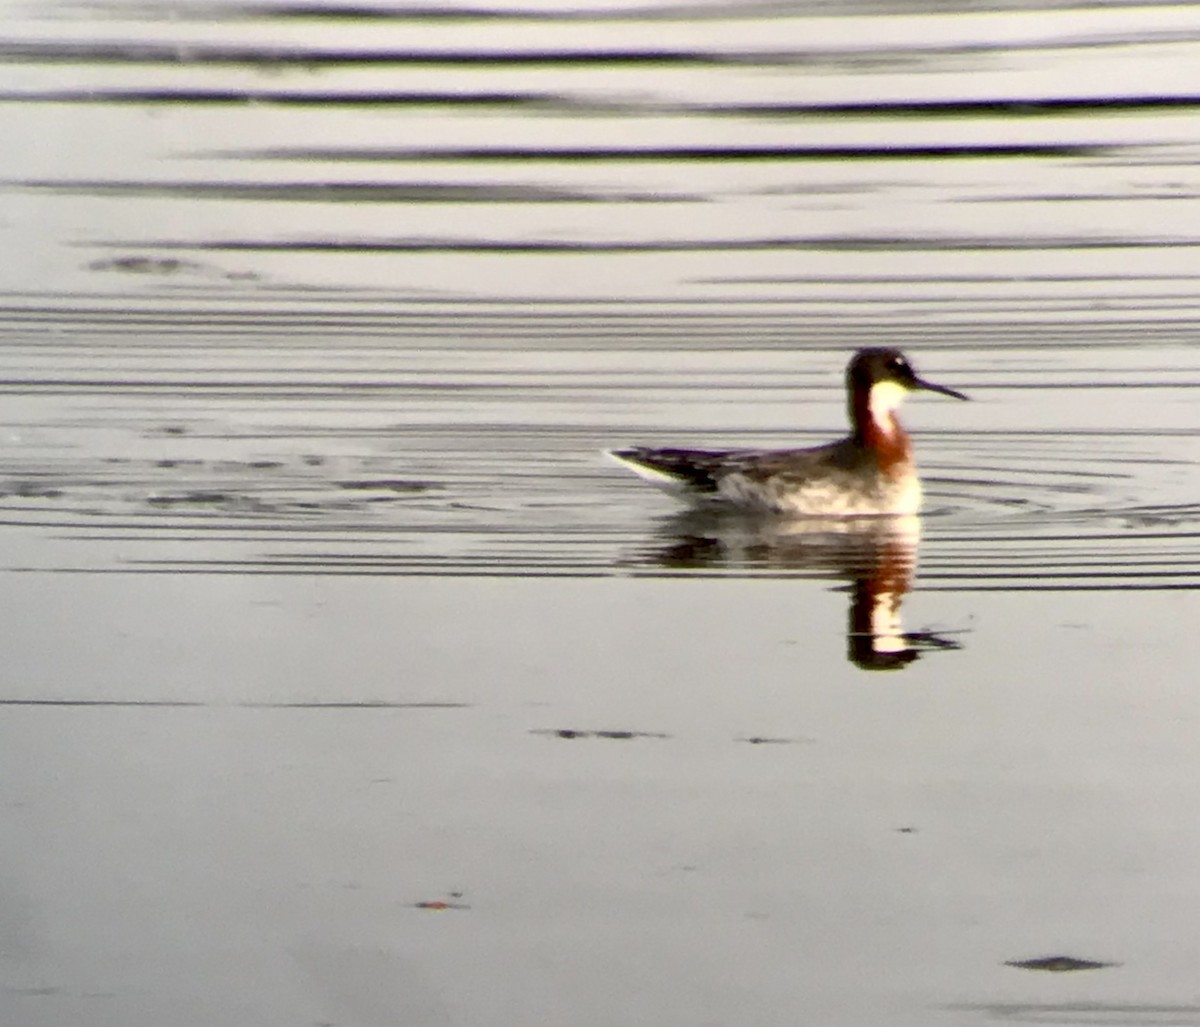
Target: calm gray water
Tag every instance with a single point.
(346, 683)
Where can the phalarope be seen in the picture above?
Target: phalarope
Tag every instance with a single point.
(871, 472)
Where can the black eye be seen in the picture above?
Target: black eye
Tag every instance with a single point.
(897, 364)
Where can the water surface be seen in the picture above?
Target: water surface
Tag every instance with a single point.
(346, 683)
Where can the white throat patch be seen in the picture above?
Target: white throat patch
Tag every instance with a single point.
(885, 399)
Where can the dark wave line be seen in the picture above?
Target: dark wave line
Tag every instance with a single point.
(365, 704)
(171, 53)
(351, 192)
(896, 244)
(320, 563)
(174, 53)
(1006, 107)
(292, 98)
(574, 308)
(1029, 583)
(511, 384)
(262, 569)
(1035, 586)
(101, 702)
(378, 307)
(390, 11)
(376, 324)
(386, 12)
(326, 385)
(102, 336)
(1114, 197)
(199, 10)
(360, 704)
(942, 151)
(1000, 569)
(575, 316)
(130, 52)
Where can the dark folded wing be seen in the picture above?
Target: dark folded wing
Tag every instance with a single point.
(692, 468)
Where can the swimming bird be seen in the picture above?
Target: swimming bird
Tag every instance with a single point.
(870, 472)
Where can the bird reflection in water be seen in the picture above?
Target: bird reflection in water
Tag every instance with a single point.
(877, 555)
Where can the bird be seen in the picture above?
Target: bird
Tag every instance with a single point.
(871, 472)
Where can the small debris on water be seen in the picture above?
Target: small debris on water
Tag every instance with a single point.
(569, 733)
(1058, 964)
(198, 497)
(138, 265)
(387, 485)
(31, 490)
